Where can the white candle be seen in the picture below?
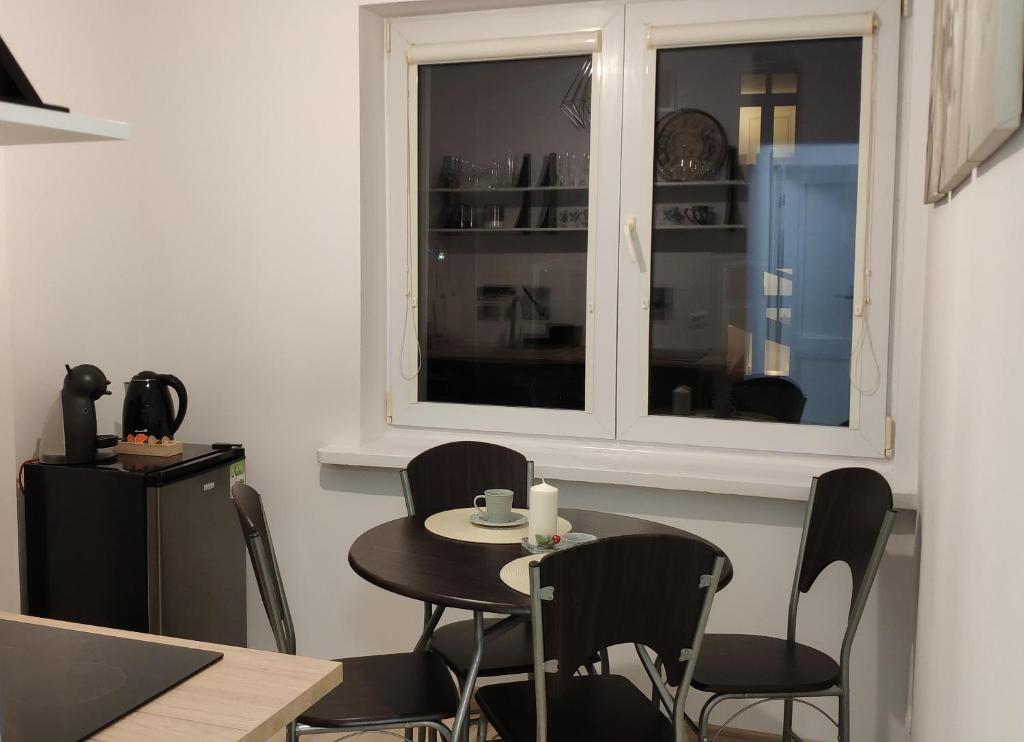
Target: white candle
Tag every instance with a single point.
(543, 511)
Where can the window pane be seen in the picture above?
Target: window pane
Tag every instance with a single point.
(504, 165)
(753, 238)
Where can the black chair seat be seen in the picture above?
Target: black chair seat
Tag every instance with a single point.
(595, 708)
(507, 654)
(413, 686)
(745, 663)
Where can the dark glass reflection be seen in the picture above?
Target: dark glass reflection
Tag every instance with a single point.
(503, 214)
(754, 226)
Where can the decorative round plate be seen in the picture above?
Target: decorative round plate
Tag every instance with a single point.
(689, 145)
(517, 519)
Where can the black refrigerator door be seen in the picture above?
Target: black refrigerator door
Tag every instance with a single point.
(85, 546)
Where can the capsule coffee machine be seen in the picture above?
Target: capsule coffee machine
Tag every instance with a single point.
(69, 431)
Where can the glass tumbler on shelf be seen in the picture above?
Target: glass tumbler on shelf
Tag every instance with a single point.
(497, 174)
(509, 170)
(464, 217)
(494, 216)
(567, 169)
(472, 174)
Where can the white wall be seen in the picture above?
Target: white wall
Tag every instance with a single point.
(222, 244)
(972, 590)
(9, 575)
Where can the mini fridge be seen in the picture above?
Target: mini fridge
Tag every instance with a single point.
(143, 543)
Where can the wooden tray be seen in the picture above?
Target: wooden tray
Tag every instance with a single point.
(150, 449)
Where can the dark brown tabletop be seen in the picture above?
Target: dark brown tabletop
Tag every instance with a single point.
(403, 557)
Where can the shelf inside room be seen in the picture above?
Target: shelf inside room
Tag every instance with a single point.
(510, 189)
(698, 183)
(704, 227)
(21, 124)
(507, 230)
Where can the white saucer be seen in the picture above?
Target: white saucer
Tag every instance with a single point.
(518, 519)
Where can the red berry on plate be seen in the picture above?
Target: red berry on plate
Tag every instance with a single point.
(556, 538)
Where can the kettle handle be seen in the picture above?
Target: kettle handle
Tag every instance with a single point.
(175, 383)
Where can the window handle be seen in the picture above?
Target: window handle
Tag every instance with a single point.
(636, 253)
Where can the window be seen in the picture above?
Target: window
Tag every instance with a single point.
(682, 239)
(504, 152)
(753, 234)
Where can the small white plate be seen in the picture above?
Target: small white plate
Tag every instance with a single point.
(517, 519)
(566, 541)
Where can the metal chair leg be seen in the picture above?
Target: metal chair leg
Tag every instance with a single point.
(844, 716)
(787, 721)
(290, 734)
(481, 729)
(654, 691)
(702, 724)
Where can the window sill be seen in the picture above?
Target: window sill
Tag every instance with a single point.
(698, 469)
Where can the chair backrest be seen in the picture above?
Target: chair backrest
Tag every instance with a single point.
(847, 510)
(451, 475)
(772, 397)
(849, 518)
(650, 590)
(251, 517)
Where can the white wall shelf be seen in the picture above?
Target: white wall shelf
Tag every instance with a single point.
(21, 124)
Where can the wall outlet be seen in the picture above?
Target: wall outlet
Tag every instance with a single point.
(698, 320)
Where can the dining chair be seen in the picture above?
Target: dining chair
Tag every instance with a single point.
(381, 692)
(768, 397)
(449, 476)
(653, 591)
(848, 519)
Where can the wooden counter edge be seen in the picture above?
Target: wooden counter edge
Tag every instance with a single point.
(331, 674)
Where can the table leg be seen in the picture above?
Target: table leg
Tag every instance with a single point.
(460, 729)
(428, 628)
(462, 716)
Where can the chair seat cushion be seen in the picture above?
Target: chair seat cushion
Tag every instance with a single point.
(594, 709)
(745, 663)
(510, 653)
(413, 686)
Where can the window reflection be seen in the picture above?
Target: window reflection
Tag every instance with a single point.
(504, 170)
(752, 267)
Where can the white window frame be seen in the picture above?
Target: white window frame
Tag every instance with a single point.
(650, 26)
(492, 35)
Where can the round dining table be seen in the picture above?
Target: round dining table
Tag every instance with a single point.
(403, 557)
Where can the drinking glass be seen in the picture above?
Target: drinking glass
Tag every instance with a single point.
(509, 172)
(458, 173)
(495, 174)
(562, 176)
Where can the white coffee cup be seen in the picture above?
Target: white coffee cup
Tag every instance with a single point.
(498, 505)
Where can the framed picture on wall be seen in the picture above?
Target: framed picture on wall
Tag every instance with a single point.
(976, 88)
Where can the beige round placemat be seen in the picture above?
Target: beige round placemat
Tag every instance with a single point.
(516, 574)
(454, 524)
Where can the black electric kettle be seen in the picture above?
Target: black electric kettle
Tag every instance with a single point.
(148, 407)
